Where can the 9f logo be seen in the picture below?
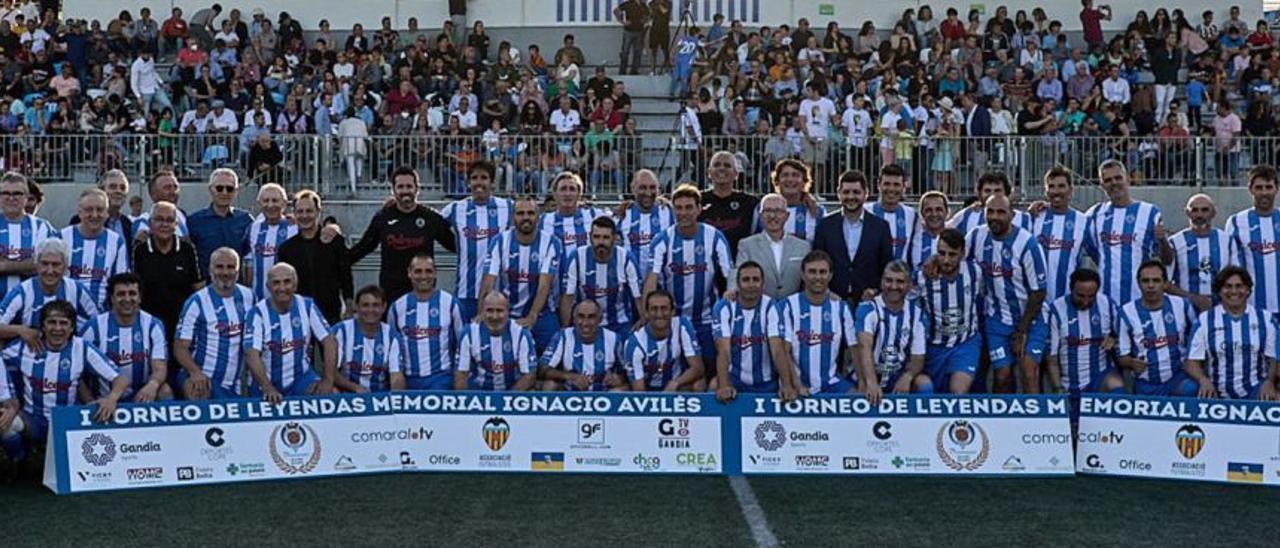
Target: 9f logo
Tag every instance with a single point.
(590, 431)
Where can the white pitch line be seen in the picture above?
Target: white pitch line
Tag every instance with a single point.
(753, 513)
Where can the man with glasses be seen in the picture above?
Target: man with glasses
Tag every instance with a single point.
(19, 234)
(221, 224)
(777, 252)
(167, 266)
(164, 187)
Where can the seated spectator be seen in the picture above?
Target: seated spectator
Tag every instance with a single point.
(565, 120)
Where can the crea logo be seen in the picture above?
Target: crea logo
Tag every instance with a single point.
(1190, 440)
(963, 445)
(496, 432)
(771, 435)
(301, 448)
(98, 449)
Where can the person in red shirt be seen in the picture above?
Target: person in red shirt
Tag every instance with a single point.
(1091, 22)
(952, 28)
(174, 31)
(611, 117)
(403, 98)
(1260, 40)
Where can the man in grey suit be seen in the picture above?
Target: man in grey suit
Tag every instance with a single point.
(777, 252)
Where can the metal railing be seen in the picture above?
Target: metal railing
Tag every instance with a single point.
(526, 163)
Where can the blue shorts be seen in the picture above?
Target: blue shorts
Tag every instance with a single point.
(33, 435)
(545, 329)
(706, 348)
(299, 387)
(467, 309)
(998, 336)
(1180, 384)
(941, 362)
(216, 392)
(438, 381)
(770, 387)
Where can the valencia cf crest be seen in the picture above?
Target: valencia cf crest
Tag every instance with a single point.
(1190, 440)
(496, 431)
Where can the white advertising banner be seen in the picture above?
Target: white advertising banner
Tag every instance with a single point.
(1180, 438)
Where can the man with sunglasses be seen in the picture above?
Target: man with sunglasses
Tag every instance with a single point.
(221, 224)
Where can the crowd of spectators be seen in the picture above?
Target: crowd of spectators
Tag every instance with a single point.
(215, 88)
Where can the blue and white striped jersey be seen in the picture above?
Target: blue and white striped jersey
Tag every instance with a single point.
(1121, 238)
(1075, 338)
(143, 222)
(516, 268)
(747, 330)
(1235, 349)
(574, 231)
(495, 361)
(131, 348)
(660, 361)
(48, 379)
(801, 223)
(284, 338)
(1158, 337)
(18, 241)
(475, 226)
(23, 303)
(898, 335)
(951, 304)
(614, 285)
(568, 352)
(1196, 259)
(921, 248)
(904, 224)
(1012, 268)
(95, 260)
(1061, 237)
(263, 240)
(368, 361)
(431, 330)
(687, 267)
(216, 326)
(639, 228)
(816, 333)
(1255, 245)
(968, 219)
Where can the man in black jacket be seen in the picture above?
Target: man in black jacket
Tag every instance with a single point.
(403, 229)
(860, 245)
(324, 273)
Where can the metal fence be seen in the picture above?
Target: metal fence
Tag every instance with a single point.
(526, 163)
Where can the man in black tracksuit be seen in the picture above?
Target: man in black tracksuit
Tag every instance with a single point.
(403, 230)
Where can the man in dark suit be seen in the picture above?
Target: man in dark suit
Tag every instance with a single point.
(860, 245)
(977, 123)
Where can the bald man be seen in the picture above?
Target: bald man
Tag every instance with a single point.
(725, 207)
(496, 353)
(277, 343)
(643, 219)
(1199, 252)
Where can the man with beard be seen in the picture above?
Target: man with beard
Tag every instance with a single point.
(1199, 252)
(643, 219)
(605, 274)
(403, 230)
(728, 209)
(524, 263)
(858, 244)
(323, 271)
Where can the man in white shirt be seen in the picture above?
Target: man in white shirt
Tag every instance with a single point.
(565, 119)
(222, 120)
(817, 112)
(466, 117)
(146, 84)
(1115, 89)
(195, 121)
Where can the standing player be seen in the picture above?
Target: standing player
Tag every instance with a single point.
(211, 331)
(265, 236)
(1199, 251)
(990, 184)
(813, 329)
(48, 379)
(605, 274)
(1061, 231)
(20, 310)
(1233, 350)
(741, 329)
(728, 209)
(495, 354)
(904, 222)
(792, 179)
(277, 346)
(584, 356)
(404, 231)
(132, 340)
(891, 339)
(643, 219)
(524, 262)
(370, 353)
(1153, 334)
(1123, 233)
(429, 320)
(933, 215)
(571, 221)
(1255, 239)
(19, 233)
(476, 221)
(691, 261)
(96, 252)
(1013, 274)
(686, 51)
(1081, 337)
(950, 294)
(663, 355)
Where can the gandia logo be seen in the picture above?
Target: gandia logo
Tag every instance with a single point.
(771, 435)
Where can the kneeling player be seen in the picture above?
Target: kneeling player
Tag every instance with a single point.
(133, 340)
(1081, 337)
(1154, 332)
(369, 351)
(663, 355)
(495, 354)
(1233, 351)
(740, 327)
(890, 351)
(812, 330)
(585, 356)
(277, 345)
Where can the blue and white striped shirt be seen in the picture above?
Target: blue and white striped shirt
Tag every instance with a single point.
(659, 361)
(1061, 236)
(1197, 259)
(368, 361)
(897, 335)
(950, 304)
(1158, 337)
(49, 378)
(613, 285)
(801, 223)
(18, 241)
(263, 240)
(1255, 245)
(284, 338)
(516, 268)
(1121, 238)
(23, 303)
(475, 226)
(816, 333)
(968, 219)
(1075, 338)
(1235, 349)
(431, 330)
(131, 348)
(904, 224)
(216, 326)
(747, 330)
(495, 361)
(1012, 267)
(639, 229)
(687, 267)
(922, 247)
(95, 260)
(595, 359)
(574, 231)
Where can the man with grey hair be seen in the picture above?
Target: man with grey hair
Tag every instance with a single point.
(221, 224)
(20, 311)
(211, 330)
(778, 253)
(166, 263)
(96, 252)
(278, 340)
(116, 184)
(19, 233)
(1199, 252)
